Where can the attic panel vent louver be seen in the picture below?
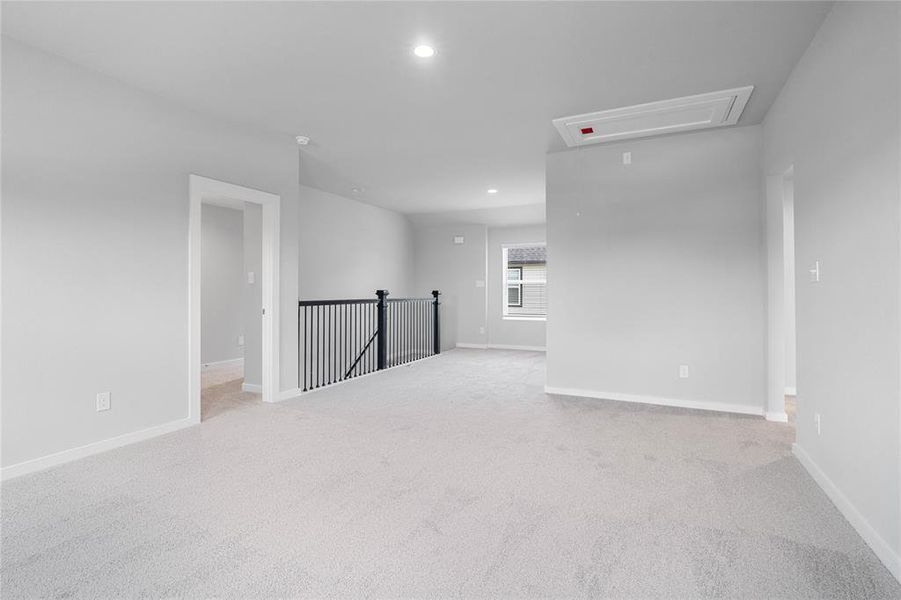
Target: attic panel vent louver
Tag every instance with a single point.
(714, 109)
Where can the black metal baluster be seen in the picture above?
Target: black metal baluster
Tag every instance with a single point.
(323, 354)
(436, 323)
(301, 358)
(331, 344)
(314, 355)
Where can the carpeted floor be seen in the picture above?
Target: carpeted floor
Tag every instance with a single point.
(454, 477)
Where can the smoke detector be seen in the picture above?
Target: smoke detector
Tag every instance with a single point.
(703, 111)
(302, 140)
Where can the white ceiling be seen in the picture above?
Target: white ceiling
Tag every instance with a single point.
(426, 135)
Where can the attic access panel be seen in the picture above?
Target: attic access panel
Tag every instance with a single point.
(703, 111)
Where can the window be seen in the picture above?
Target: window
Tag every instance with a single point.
(514, 287)
(525, 281)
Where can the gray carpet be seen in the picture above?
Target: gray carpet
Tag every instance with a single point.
(454, 477)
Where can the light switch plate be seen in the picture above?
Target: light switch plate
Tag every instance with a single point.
(240, 340)
(103, 401)
(815, 272)
(480, 283)
(627, 158)
(251, 277)
(683, 371)
(458, 239)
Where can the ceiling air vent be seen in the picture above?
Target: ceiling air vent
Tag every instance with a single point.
(714, 109)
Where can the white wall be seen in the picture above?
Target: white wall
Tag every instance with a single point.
(659, 264)
(469, 276)
(837, 122)
(222, 283)
(252, 294)
(349, 249)
(501, 331)
(95, 249)
(455, 270)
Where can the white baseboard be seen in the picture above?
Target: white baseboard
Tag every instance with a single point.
(58, 458)
(742, 409)
(880, 547)
(514, 347)
(501, 347)
(252, 387)
(790, 391)
(776, 417)
(232, 362)
(288, 394)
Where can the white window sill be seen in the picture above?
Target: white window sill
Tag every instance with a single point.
(523, 318)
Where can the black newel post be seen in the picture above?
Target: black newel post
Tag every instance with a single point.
(436, 322)
(382, 310)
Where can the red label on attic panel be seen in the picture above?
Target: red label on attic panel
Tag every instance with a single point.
(587, 130)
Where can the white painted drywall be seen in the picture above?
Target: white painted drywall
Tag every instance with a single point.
(222, 283)
(456, 270)
(837, 122)
(659, 264)
(501, 331)
(349, 249)
(252, 294)
(95, 249)
(469, 276)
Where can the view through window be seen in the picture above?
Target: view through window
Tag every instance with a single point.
(525, 281)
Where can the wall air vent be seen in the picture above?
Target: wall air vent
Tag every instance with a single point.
(714, 109)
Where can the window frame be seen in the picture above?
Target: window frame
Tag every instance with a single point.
(505, 314)
(515, 285)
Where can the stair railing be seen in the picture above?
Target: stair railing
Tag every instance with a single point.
(343, 339)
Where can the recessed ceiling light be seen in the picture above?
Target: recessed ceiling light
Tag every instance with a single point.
(492, 191)
(424, 51)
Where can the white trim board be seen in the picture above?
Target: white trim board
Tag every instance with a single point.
(742, 409)
(880, 547)
(515, 347)
(203, 190)
(254, 388)
(790, 391)
(776, 417)
(58, 458)
(232, 362)
(501, 347)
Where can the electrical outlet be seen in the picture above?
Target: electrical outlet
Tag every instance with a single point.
(103, 401)
(627, 158)
(240, 340)
(683, 371)
(816, 421)
(251, 277)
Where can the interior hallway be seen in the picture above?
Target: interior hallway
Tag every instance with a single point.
(454, 476)
(220, 391)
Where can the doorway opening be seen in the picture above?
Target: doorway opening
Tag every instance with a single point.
(782, 343)
(788, 272)
(233, 305)
(231, 300)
